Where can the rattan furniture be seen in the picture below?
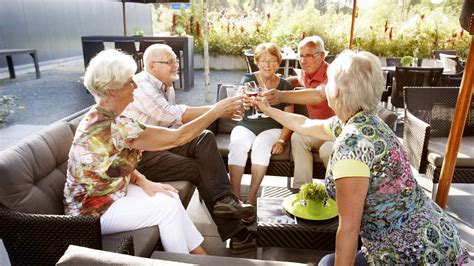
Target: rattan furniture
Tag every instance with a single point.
(33, 226)
(426, 130)
(318, 235)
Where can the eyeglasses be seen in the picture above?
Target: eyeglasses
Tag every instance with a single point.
(307, 56)
(169, 62)
(271, 62)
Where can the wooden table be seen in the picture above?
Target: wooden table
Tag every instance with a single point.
(276, 228)
(8, 53)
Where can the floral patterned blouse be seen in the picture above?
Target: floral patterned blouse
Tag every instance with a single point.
(400, 223)
(100, 162)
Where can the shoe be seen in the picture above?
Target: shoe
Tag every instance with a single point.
(230, 207)
(249, 219)
(238, 247)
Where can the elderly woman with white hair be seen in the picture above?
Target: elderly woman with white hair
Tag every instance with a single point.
(101, 175)
(369, 174)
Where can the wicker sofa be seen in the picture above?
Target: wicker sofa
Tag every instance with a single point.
(429, 112)
(34, 228)
(282, 164)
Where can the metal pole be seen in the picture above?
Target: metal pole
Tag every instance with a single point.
(207, 81)
(124, 19)
(354, 12)
(457, 128)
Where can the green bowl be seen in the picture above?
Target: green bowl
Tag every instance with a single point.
(310, 212)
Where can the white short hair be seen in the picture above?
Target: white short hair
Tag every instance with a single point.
(359, 78)
(108, 70)
(314, 40)
(155, 52)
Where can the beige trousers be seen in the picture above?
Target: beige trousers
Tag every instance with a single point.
(302, 148)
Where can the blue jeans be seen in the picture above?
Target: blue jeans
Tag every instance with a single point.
(329, 259)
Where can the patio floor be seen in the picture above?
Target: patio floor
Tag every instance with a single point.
(60, 93)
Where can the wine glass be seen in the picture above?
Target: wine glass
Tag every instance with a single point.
(263, 89)
(232, 91)
(251, 90)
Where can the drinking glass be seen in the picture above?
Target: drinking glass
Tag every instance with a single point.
(251, 90)
(232, 91)
(262, 90)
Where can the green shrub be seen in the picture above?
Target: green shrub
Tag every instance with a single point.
(7, 103)
(235, 26)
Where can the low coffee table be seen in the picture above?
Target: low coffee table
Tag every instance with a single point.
(277, 228)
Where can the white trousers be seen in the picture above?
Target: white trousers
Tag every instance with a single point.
(242, 140)
(302, 151)
(138, 210)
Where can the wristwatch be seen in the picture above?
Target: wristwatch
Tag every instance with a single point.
(282, 142)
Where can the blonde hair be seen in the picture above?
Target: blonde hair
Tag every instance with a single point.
(359, 78)
(269, 47)
(108, 70)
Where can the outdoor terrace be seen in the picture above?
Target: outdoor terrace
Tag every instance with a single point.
(60, 93)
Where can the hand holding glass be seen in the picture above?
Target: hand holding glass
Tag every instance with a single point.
(235, 91)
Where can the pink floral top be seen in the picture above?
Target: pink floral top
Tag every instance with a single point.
(400, 223)
(100, 162)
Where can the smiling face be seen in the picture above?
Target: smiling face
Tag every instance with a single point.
(311, 58)
(164, 66)
(267, 64)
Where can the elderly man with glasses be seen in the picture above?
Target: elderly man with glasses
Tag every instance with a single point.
(311, 54)
(198, 161)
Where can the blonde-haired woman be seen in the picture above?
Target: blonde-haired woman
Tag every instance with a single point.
(264, 136)
(101, 175)
(370, 177)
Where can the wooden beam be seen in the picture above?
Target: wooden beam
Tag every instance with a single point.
(457, 126)
(354, 12)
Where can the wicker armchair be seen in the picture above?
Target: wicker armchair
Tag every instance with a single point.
(426, 130)
(41, 239)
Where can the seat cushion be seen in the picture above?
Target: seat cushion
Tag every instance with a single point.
(33, 172)
(144, 240)
(437, 149)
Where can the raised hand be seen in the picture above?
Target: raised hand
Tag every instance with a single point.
(273, 96)
(262, 103)
(229, 107)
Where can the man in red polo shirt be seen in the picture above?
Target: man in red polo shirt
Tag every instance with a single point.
(311, 57)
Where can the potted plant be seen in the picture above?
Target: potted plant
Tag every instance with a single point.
(313, 195)
(406, 61)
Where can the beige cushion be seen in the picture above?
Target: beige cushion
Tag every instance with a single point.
(33, 172)
(79, 256)
(437, 149)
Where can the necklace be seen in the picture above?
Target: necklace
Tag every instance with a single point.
(269, 83)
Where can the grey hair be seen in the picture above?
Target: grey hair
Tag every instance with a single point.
(315, 41)
(108, 70)
(155, 52)
(359, 78)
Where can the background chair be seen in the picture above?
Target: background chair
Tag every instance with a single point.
(329, 58)
(128, 46)
(437, 52)
(427, 125)
(249, 59)
(91, 48)
(412, 76)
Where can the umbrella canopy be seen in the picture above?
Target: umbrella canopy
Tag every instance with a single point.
(143, 2)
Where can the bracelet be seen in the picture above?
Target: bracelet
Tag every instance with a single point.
(282, 142)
